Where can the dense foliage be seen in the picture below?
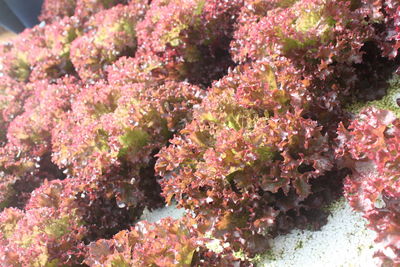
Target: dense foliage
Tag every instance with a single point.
(252, 115)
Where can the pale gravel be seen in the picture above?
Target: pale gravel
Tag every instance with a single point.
(158, 214)
(343, 241)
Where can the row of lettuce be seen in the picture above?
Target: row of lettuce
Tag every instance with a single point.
(252, 115)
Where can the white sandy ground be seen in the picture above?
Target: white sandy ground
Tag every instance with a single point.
(158, 214)
(343, 242)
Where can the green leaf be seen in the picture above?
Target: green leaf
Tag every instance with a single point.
(133, 139)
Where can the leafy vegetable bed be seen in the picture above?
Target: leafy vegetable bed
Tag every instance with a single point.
(252, 115)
